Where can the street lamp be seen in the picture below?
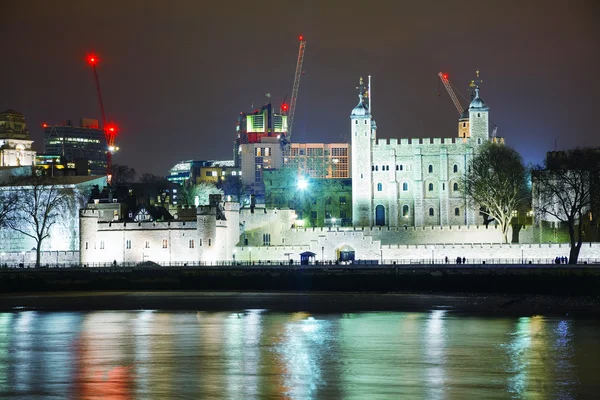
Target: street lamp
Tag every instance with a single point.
(23, 254)
(234, 256)
(433, 254)
(250, 252)
(522, 259)
(322, 254)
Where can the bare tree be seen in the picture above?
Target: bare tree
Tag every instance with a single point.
(496, 180)
(41, 203)
(122, 174)
(8, 202)
(563, 189)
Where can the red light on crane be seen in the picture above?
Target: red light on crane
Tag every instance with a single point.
(284, 107)
(301, 38)
(445, 76)
(92, 59)
(44, 125)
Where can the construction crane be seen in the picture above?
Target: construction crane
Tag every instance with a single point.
(292, 108)
(444, 78)
(110, 129)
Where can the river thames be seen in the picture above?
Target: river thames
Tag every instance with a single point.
(257, 353)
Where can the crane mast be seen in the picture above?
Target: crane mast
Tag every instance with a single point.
(444, 78)
(110, 130)
(295, 88)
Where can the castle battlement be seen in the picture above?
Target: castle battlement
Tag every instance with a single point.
(145, 225)
(381, 142)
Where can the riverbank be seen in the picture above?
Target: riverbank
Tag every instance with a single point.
(317, 302)
(512, 279)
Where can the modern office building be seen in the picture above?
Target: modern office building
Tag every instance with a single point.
(84, 143)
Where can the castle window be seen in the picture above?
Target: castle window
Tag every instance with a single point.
(455, 168)
(405, 211)
(101, 244)
(387, 167)
(355, 122)
(431, 187)
(377, 168)
(443, 186)
(165, 243)
(147, 245)
(431, 212)
(478, 115)
(266, 239)
(455, 187)
(479, 141)
(128, 244)
(209, 243)
(464, 124)
(86, 245)
(430, 168)
(372, 168)
(199, 242)
(457, 211)
(404, 186)
(342, 200)
(401, 167)
(379, 187)
(365, 121)
(191, 243)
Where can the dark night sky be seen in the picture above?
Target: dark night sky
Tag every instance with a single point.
(174, 75)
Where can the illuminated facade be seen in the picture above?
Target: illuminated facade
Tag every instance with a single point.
(76, 144)
(204, 234)
(320, 160)
(255, 159)
(414, 182)
(15, 142)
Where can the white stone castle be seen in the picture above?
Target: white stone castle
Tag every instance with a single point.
(414, 182)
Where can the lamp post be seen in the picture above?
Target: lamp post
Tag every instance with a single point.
(234, 256)
(433, 254)
(322, 254)
(23, 254)
(250, 252)
(522, 258)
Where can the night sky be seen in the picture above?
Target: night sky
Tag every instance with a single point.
(175, 75)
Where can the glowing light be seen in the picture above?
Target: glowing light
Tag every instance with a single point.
(445, 76)
(301, 38)
(44, 125)
(92, 59)
(302, 184)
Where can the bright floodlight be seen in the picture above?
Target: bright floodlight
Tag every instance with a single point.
(302, 184)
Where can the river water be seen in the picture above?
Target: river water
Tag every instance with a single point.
(257, 354)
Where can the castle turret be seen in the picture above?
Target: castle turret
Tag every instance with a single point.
(363, 136)
(478, 119)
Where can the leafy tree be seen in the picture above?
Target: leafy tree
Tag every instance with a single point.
(155, 187)
(189, 193)
(497, 181)
(565, 188)
(42, 202)
(233, 186)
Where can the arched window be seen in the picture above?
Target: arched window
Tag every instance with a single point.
(405, 211)
(401, 167)
(455, 169)
(464, 124)
(457, 211)
(387, 167)
(455, 187)
(431, 212)
(397, 167)
(404, 186)
(377, 168)
(355, 122)
(478, 115)
(430, 168)
(379, 187)
(479, 141)
(431, 187)
(372, 168)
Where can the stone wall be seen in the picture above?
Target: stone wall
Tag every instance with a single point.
(50, 258)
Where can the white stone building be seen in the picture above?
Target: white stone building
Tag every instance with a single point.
(15, 142)
(207, 234)
(414, 182)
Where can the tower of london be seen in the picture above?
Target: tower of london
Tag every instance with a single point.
(414, 181)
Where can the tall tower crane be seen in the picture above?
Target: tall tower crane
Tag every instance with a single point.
(110, 130)
(444, 77)
(294, 97)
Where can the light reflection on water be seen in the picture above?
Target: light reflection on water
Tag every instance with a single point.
(255, 354)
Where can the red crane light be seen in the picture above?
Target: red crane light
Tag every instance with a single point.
(44, 125)
(92, 59)
(284, 106)
(445, 76)
(301, 38)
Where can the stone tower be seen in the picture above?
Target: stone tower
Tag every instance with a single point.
(478, 120)
(363, 136)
